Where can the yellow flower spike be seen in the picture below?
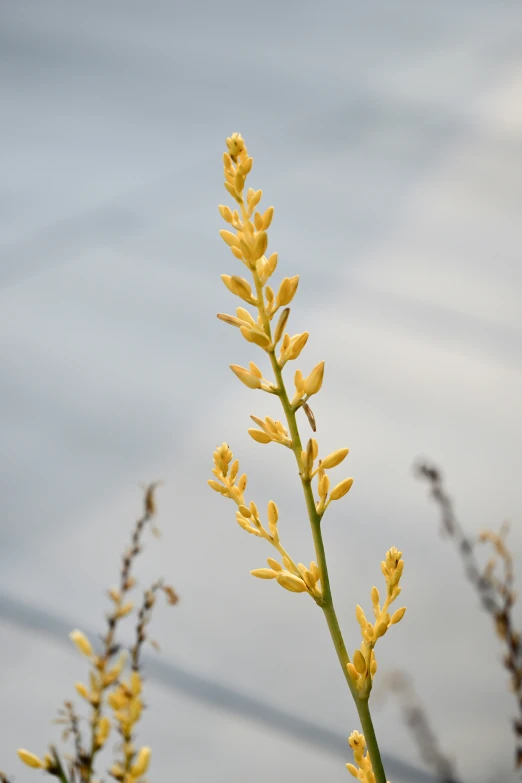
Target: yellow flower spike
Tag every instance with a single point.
(29, 759)
(142, 763)
(335, 458)
(246, 377)
(397, 616)
(290, 582)
(264, 573)
(249, 243)
(81, 642)
(341, 489)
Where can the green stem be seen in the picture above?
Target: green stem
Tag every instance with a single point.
(371, 740)
(315, 522)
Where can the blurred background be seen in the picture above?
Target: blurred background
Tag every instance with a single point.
(388, 136)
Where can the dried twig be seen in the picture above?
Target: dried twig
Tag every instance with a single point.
(496, 593)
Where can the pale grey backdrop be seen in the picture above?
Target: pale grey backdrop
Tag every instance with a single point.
(388, 135)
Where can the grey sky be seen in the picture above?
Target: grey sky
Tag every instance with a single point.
(388, 137)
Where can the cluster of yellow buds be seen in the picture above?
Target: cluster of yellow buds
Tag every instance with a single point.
(363, 771)
(127, 706)
(270, 431)
(293, 577)
(308, 458)
(364, 665)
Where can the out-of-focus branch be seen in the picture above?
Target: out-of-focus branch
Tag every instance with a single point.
(495, 592)
(416, 719)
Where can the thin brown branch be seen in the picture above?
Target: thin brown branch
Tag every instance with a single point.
(496, 593)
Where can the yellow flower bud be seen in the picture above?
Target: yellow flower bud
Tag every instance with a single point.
(216, 486)
(352, 770)
(264, 573)
(287, 290)
(246, 377)
(274, 564)
(359, 662)
(260, 245)
(380, 629)
(30, 759)
(226, 213)
(374, 596)
(273, 513)
(104, 727)
(297, 343)
(341, 489)
(314, 381)
(81, 642)
(254, 369)
(291, 582)
(398, 615)
(255, 336)
(352, 671)
(259, 436)
(335, 458)
(228, 237)
(81, 689)
(271, 264)
(324, 486)
(135, 683)
(142, 763)
(239, 287)
(267, 217)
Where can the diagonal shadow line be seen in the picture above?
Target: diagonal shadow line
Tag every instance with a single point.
(209, 692)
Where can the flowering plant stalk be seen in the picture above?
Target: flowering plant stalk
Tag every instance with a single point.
(108, 689)
(248, 243)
